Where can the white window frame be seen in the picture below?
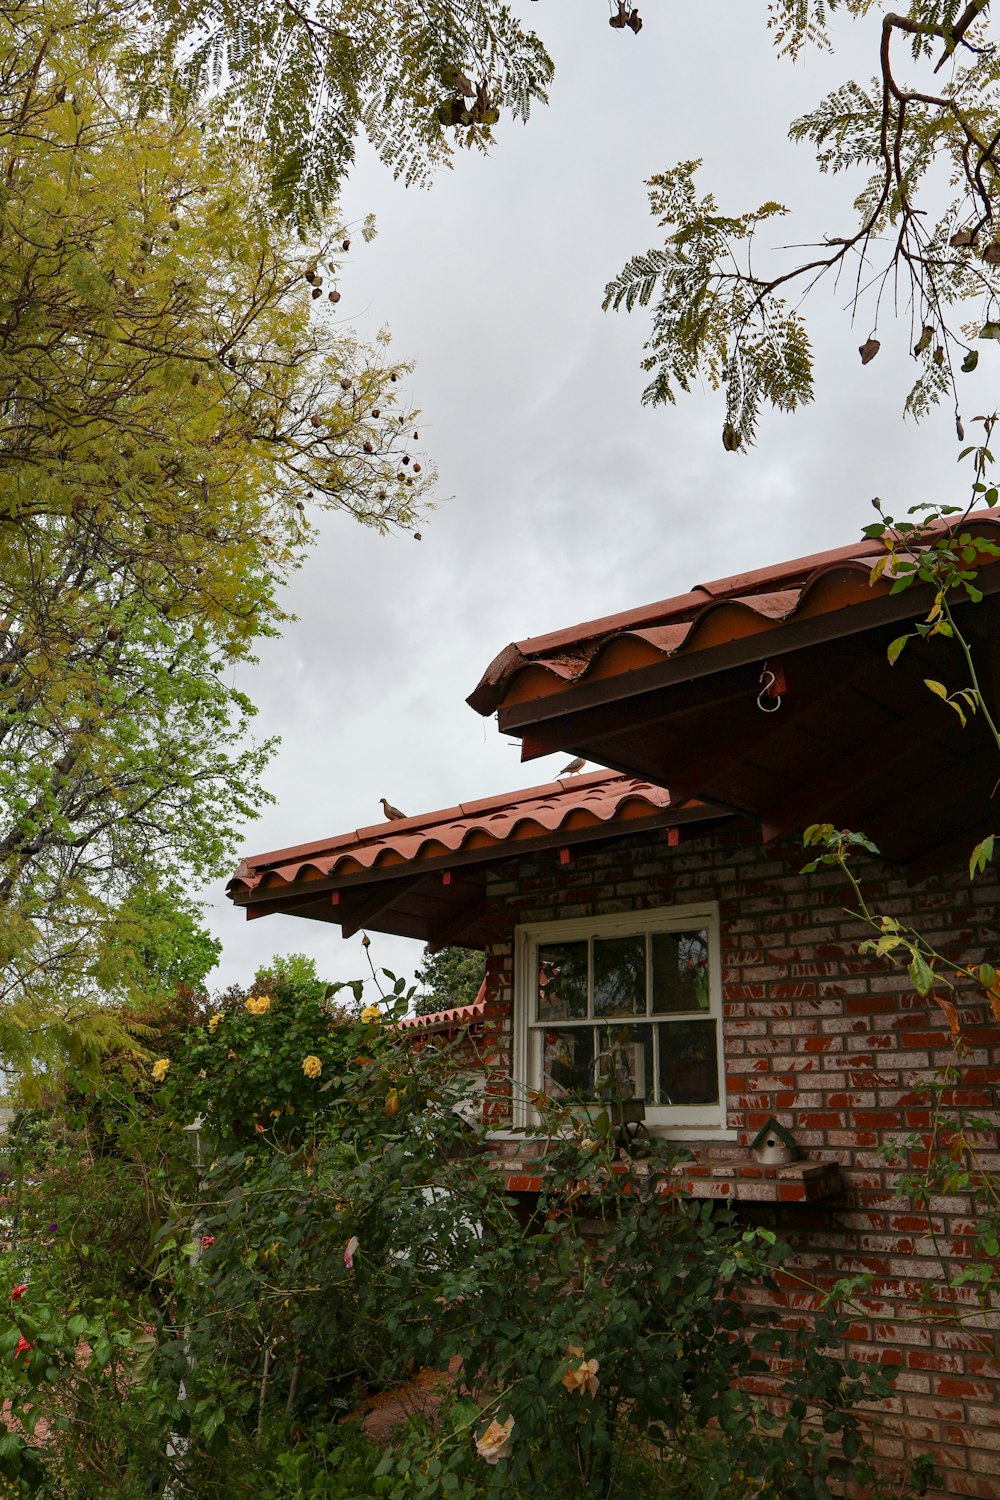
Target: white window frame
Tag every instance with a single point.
(681, 1121)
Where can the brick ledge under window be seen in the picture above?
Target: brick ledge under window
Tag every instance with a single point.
(729, 1174)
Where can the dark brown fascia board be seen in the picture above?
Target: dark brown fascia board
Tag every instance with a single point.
(274, 896)
(773, 640)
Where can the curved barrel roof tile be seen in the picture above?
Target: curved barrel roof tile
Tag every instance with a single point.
(590, 799)
(455, 1015)
(710, 614)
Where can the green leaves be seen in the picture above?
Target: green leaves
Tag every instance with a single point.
(921, 974)
(719, 285)
(309, 85)
(177, 411)
(706, 323)
(964, 701)
(981, 856)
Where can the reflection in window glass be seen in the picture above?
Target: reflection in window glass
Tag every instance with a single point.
(562, 981)
(620, 976)
(624, 1064)
(568, 1062)
(680, 972)
(623, 1007)
(689, 1066)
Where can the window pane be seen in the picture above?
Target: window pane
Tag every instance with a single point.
(689, 1066)
(568, 1062)
(620, 976)
(680, 971)
(562, 981)
(624, 1064)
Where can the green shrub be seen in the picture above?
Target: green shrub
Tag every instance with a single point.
(347, 1230)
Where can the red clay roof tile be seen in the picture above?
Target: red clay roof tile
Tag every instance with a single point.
(594, 798)
(728, 609)
(456, 1015)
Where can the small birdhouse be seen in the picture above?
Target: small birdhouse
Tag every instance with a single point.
(774, 1146)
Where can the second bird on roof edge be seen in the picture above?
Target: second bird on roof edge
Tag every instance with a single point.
(393, 814)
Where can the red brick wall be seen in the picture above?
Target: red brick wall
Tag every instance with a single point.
(834, 1045)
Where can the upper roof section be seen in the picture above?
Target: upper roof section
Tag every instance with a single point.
(424, 877)
(770, 693)
(825, 586)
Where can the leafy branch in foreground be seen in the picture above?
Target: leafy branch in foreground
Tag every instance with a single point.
(927, 967)
(411, 76)
(716, 313)
(949, 561)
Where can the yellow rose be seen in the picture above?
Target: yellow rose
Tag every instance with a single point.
(371, 1015)
(213, 1023)
(160, 1069)
(311, 1066)
(258, 1005)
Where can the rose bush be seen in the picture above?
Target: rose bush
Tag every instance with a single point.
(347, 1228)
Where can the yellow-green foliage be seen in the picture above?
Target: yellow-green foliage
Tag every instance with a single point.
(176, 398)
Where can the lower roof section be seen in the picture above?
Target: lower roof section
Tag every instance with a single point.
(425, 877)
(453, 1018)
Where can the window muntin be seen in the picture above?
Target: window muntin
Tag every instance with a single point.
(625, 1007)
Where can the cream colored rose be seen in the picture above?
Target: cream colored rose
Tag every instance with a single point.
(582, 1373)
(311, 1066)
(495, 1441)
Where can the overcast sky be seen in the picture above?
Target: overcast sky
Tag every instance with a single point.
(568, 500)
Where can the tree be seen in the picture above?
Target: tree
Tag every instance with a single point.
(174, 398)
(452, 976)
(415, 77)
(716, 313)
(295, 975)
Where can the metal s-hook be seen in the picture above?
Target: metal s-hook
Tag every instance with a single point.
(768, 683)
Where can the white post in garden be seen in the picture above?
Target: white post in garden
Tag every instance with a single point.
(177, 1446)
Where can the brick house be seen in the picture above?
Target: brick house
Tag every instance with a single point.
(670, 937)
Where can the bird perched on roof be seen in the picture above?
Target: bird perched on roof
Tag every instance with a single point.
(392, 813)
(574, 766)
